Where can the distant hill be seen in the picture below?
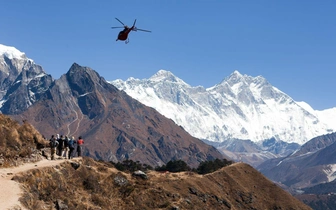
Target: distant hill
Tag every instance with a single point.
(313, 164)
(319, 202)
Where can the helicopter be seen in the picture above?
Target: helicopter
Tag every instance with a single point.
(123, 35)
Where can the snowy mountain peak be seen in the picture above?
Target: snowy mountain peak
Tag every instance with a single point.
(236, 73)
(11, 52)
(162, 75)
(235, 77)
(22, 82)
(165, 76)
(241, 107)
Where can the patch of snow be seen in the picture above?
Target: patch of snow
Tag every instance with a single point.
(84, 94)
(2, 102)
(18, 81)
(40, 75)
(31, 96)
(330, 171)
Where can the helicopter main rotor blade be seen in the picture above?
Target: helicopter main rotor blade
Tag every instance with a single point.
(143, 30)
(134, 22)
(118, 27)
(120, 21)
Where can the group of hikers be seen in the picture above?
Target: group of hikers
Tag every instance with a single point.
(64, 146)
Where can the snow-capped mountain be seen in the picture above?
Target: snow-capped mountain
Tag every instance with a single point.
(21, 80)
(239, 107)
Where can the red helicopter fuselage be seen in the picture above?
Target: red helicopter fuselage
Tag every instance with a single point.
(124, 34)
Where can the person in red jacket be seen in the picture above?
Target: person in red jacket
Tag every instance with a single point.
(80, 143)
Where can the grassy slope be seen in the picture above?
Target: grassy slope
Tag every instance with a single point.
(96, 185)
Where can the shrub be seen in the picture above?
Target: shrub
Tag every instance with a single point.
(131, 166)
(17, 142)
(174, 166)
(212, 165)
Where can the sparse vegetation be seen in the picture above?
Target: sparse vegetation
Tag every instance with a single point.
(99, 185)
(131, 166)
(18, 143)
(89, 184)
(204, 167)
(212, 165)
(174, 166)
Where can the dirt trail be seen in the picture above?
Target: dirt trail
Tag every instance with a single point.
(10, 191)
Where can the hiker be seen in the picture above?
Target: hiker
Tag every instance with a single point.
(60, 145)
(65, 147)
(57, 137)
(71, 145)
(53, 144)
(80, 143)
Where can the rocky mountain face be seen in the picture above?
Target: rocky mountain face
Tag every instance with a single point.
(22, 82)
(319, 197)
(114, 126)
(313, 164)
(309, 173)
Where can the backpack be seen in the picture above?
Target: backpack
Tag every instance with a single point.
(66, 142)
(53, 143)
(60, 143)
(71, 143)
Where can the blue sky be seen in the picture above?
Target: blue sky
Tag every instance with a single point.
(290, 43)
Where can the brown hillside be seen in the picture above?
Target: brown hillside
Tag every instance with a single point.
(18, 143)
(97, 185)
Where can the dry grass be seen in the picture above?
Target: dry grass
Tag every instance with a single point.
(97, 185)
(18, 143)
(85, 188)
